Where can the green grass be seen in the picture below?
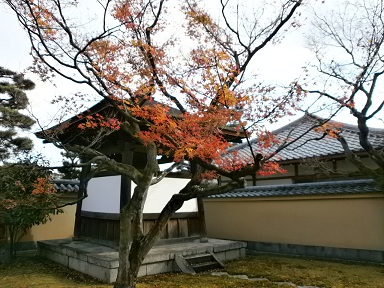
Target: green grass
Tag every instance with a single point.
(30, 272)
(310, 272)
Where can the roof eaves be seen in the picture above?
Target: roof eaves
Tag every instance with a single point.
(304, 189)
(66, 185)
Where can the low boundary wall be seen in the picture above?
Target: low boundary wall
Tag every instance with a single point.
(360, 255)
(297, 219)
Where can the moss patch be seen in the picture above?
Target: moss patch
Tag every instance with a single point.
(310, 272)
(31, 272)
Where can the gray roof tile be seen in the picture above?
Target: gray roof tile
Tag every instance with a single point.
(66, 186)
(307, 146)
(305, 189)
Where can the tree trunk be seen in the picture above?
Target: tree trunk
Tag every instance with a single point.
(132, 248)
(124, 244)
(130, 236)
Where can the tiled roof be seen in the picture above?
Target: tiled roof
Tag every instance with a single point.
(305, 189)
(66, 186)
(307, 146)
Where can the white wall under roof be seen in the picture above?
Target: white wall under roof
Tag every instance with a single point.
(104, 195)
(162, 192)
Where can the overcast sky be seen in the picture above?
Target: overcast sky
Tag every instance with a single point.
(280, 64)
(14, 55)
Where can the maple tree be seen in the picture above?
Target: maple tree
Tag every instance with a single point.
(27, 198)
(176, 77)
(348, 44)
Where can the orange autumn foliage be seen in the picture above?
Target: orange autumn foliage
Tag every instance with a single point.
(271, 168)
(185, 136)
(332, 129)
(43, 186)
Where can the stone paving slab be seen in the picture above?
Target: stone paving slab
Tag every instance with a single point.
(245, 277)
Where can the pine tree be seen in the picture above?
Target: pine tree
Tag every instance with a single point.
(68, 171)
(12, 100)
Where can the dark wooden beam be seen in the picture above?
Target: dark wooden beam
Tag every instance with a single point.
(196, 169)
(82, 190)
(125, 188)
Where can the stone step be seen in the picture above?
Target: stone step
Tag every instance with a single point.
(197, 259)
(198, 263)
(206, 266)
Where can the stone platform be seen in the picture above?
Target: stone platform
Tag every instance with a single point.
(101, 262)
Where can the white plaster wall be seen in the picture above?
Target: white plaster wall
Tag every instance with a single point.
(272, 182)
(103, 195)
(160, 194)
